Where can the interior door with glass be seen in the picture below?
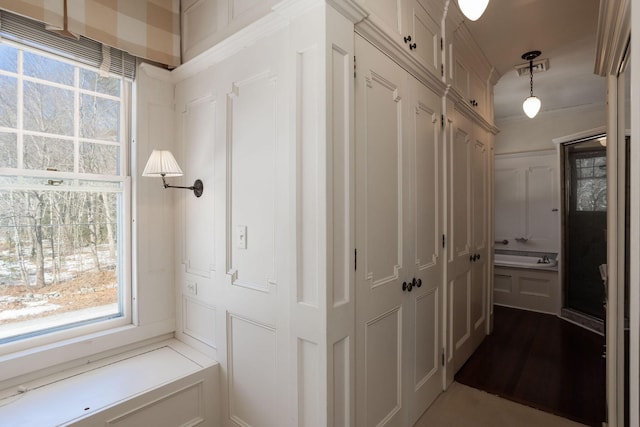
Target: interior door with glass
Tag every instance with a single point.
(585, 246)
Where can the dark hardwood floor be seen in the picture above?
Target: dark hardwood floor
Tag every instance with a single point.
(541, 361)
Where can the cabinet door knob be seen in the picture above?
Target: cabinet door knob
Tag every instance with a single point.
(419, 284)
(407, 39)
(413, 46)
(407, 286)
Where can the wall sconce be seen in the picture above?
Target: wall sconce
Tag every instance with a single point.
(473, 9)
(532, 104)
(162, 163)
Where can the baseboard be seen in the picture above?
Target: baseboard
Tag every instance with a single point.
(588, 322)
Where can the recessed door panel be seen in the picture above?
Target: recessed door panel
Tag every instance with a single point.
(427, 185)
(459, 169)
(460, 330)
(426, 337)
(383, 352)
(382, 179)
(509, 189)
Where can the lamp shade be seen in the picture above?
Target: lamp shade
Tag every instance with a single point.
(473, 9)
(531, 106)
(162, 163)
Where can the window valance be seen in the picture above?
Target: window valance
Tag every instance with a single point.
(148, 29)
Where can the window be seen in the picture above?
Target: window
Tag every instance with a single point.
(591, 181)
(63, 193)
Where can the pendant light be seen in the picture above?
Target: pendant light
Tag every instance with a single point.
(532, 104)
(473, 9)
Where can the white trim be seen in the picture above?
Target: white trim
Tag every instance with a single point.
(545, 152)
(580, 135)
(634, 236)
(614, 27)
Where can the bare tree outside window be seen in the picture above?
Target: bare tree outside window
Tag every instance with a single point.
(61, 193)
(591, 185)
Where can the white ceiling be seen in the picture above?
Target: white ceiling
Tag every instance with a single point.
(565, 32)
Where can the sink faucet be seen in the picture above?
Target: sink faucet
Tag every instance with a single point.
(544, 260)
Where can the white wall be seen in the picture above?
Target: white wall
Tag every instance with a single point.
(251, 120)
(524, 134)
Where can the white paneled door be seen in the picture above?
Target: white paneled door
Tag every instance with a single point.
(398, 230)
(426, 255)
(467, 247)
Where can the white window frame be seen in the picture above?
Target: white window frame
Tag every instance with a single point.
(24, 356)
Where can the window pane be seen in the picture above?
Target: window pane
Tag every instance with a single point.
(8, 58)
(600, 171)
(99, 118)
(58, 259)
(99, 158)
(8, 150)
(585, 172)
(48, 69)
(48, 153)
(93, 81)
(582, 163)
(8, 101)
(591, 195)
(48, 109)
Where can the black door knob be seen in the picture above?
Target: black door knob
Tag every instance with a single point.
(413, 46)
(407, 39)
(407, 286)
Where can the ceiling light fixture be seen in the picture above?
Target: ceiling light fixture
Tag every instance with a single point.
(473, 9)
(532, 104)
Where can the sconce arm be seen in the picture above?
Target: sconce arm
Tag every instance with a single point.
(197, 186)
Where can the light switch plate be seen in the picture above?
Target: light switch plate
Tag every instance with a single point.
(241, 236)
(192, 288)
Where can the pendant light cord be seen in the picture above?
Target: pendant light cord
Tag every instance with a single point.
(531, 75)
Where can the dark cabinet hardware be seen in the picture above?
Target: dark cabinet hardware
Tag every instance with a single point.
(407, 39)
(412, 46)
(407, 286)
(419, 284)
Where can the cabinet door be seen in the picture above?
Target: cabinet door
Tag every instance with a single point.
(387, 15)
(460, 77)
(425, 33)
(425, 302)
(459, 238)
(478, 94)
(381, 215)
(480, 245)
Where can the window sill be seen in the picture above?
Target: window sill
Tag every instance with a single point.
(164, 381)
(17, 367)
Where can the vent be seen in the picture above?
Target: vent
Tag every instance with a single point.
(538, 67)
